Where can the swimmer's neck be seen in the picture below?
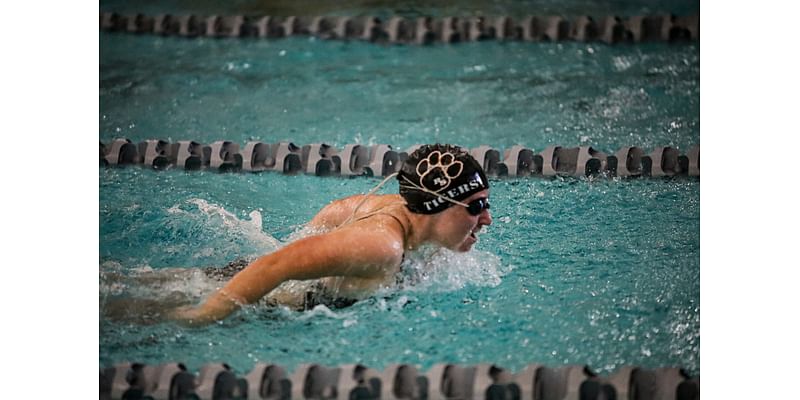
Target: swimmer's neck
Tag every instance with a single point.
(420, 229)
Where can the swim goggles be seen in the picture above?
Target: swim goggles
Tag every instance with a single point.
(476, 207)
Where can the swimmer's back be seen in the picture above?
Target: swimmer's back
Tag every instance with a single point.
(339, 211)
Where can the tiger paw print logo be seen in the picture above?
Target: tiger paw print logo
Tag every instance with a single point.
(438, 170)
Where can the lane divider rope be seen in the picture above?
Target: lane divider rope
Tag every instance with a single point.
(395, 382)
(420, 31)
(381, 160)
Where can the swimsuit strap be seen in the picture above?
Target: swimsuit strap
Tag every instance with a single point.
(382, 211)
(370, 193)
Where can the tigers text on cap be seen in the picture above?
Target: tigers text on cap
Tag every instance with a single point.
(435, 173)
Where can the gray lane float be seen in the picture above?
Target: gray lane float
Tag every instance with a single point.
(217, 381)
(489, 159)
(287, 156)
(396, 381)
(224, 26)
(382, 160)
(694, 161)
(317, 159)
(155, 153)
(121, 152)
(627, 161)
(268, 381)
(138, 381)
(519, 161)
(420, 30)
(224, 155)
(663, 161)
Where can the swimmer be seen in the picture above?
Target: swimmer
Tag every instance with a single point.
(443, 201)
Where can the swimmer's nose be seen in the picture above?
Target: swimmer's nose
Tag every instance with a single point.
(485, 218)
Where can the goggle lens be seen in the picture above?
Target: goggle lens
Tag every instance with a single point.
(475, 207)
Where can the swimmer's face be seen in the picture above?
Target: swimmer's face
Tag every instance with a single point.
(457, 229)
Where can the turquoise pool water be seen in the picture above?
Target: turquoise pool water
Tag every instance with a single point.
(309, 91)
(597, 271)
(604, 273)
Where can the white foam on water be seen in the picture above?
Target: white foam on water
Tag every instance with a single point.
(216, 217)
(444, 270)
(108, 284)
(147, 282)
(251, 229)
(145, 295)
(322, 310)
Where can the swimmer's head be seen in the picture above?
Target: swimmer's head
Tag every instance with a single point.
(435, 173)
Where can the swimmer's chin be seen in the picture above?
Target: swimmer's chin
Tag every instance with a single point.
(467, 244)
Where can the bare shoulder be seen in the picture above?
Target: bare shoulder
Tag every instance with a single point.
(376, 235)
(367, 203)
(379, 238)
(338, 211)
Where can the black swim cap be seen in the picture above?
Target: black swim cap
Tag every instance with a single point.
(444, 169)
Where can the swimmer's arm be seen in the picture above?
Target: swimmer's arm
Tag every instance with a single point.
(350, 252)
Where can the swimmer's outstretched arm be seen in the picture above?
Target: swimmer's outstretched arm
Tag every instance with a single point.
(352, 251)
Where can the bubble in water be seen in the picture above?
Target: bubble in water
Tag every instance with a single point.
(349, 322)
(402, 301)
(621, 63)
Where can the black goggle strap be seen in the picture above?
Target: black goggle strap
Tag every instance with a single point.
(431, 192)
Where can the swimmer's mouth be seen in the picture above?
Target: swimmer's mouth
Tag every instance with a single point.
(474, 234)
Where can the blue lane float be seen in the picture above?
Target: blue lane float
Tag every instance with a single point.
(382, 160)
(419, 31)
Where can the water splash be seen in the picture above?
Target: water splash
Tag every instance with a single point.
(145, 295)
(213, 216)
(154, 283)
(442, 270)
(323, 311)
